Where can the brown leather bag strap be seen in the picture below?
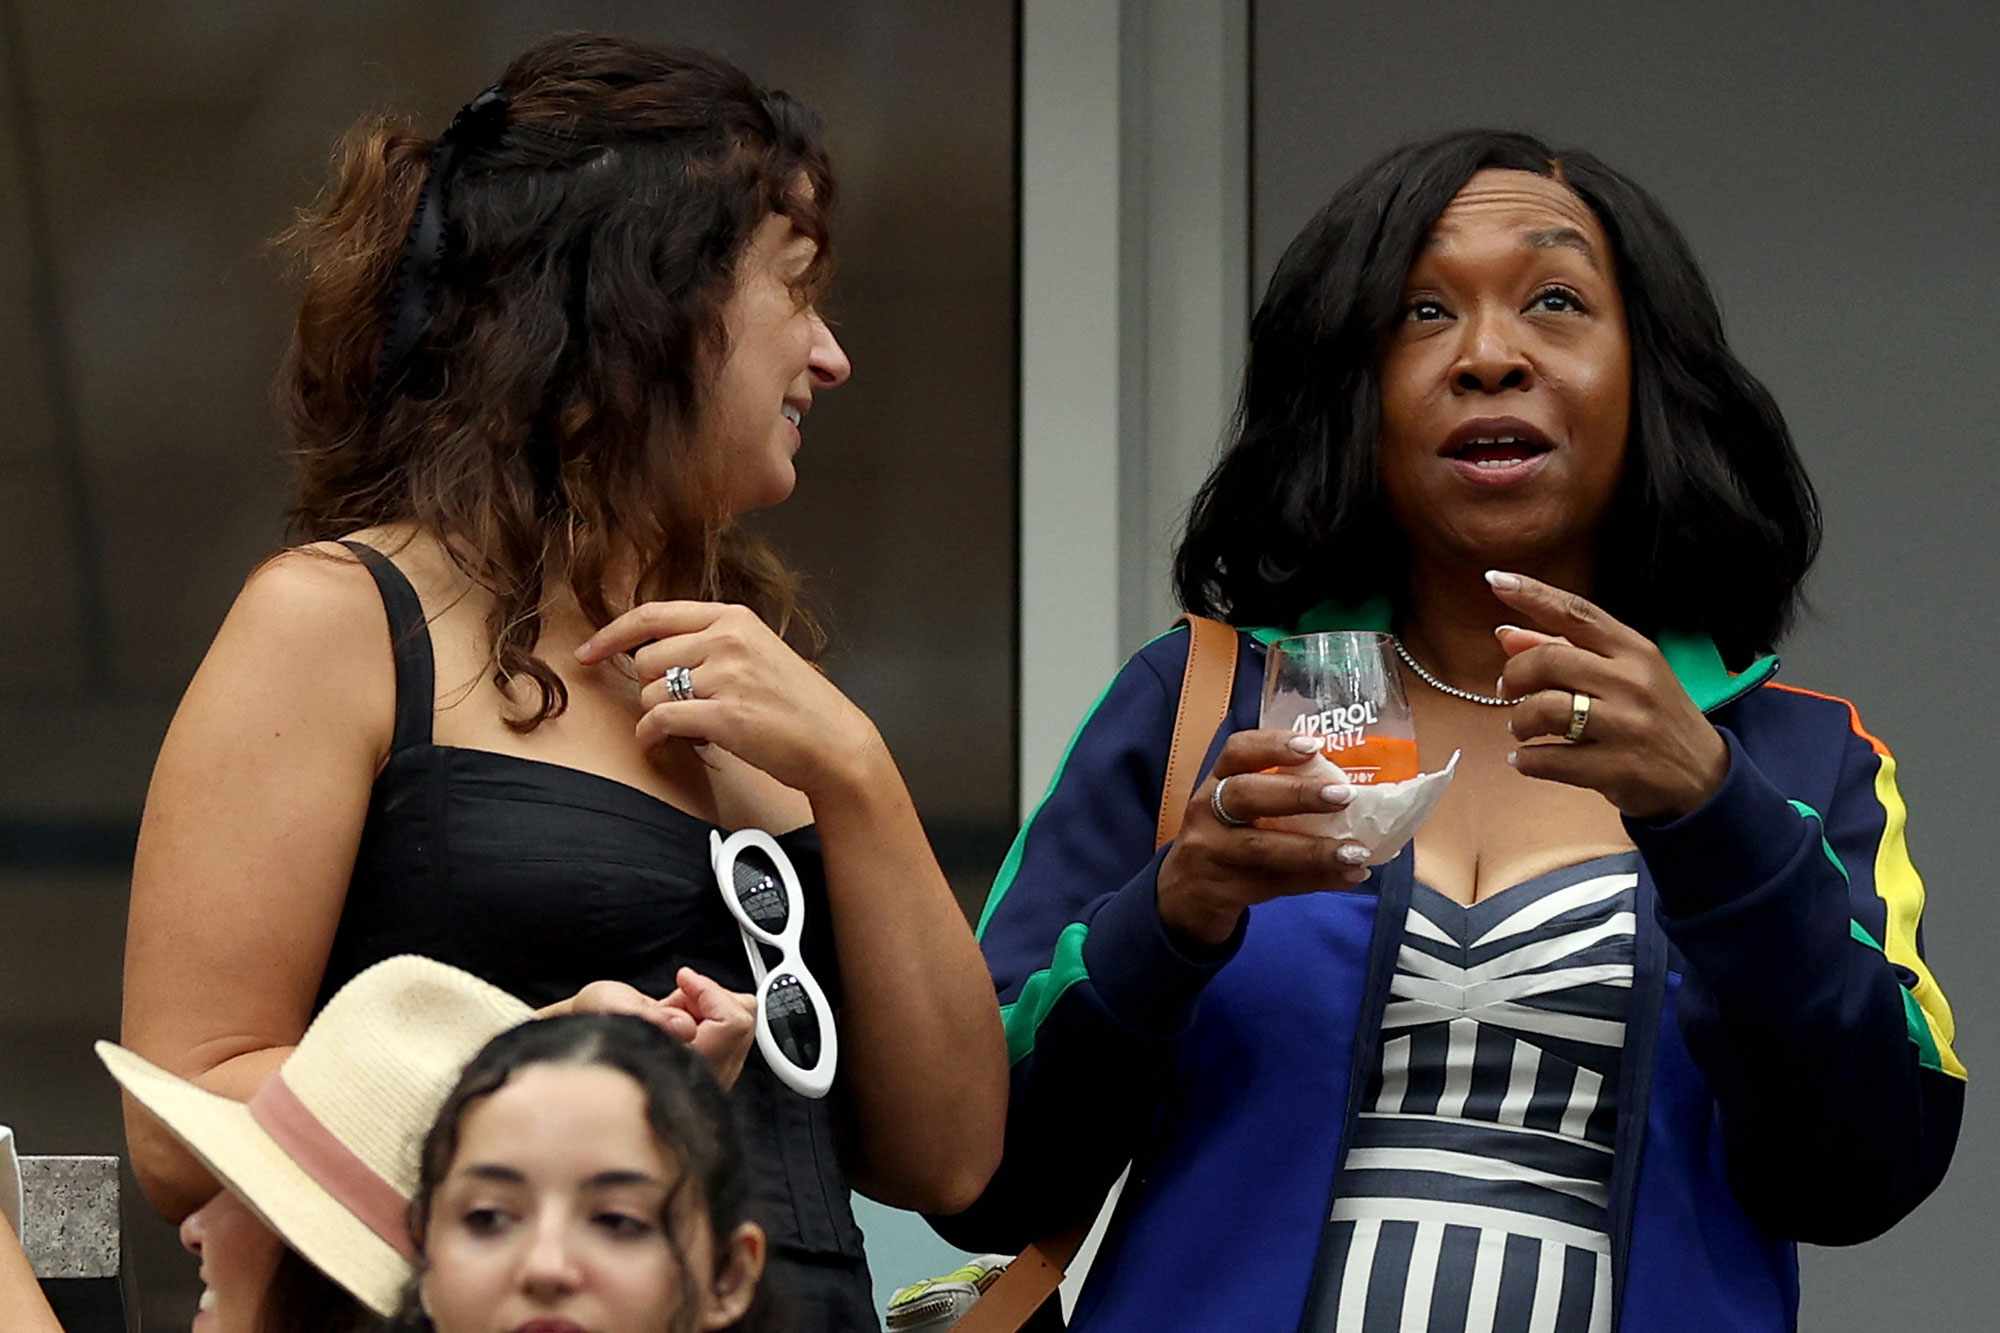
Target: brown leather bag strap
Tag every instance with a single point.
(1205, 689)
(1206, 686)
(1026, 1285)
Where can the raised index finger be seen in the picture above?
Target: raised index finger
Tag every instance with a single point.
(1567, 614)
(645, 623)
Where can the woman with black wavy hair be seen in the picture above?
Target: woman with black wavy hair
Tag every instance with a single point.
(1643, 1005)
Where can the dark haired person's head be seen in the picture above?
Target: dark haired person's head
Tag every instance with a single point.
(1483, 308)
(611, 356)
(587, 1169)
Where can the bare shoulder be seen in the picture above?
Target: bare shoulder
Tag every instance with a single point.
(421, 557)
(324, 591)
(307, 640)
(304, 589)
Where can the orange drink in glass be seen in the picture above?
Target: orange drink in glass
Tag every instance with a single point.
(1346, 688)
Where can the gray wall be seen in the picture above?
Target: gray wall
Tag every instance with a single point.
(146, 152)
(1835, 169)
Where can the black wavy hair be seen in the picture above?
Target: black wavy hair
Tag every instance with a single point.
(692, 1120)
(1713, 490)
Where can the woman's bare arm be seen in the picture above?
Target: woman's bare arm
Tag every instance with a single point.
(248, 841)
(922, 1041)
(925, 1058)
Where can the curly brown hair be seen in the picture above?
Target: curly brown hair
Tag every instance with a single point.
(546, 429)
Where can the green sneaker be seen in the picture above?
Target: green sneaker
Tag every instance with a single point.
(940, 1302)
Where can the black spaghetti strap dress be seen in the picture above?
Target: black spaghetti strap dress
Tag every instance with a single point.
(540, 879)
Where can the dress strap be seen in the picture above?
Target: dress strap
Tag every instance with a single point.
(410, 642)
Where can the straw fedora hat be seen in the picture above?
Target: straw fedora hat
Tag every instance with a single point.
(326, 1151)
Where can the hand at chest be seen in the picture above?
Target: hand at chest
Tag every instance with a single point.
(1495, 828)
(594, 734)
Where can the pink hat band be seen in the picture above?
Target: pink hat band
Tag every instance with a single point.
(354, 1184)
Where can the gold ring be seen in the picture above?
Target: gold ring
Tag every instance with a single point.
(1579, 716)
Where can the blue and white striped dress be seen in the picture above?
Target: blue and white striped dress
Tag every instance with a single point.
(1474, 1196)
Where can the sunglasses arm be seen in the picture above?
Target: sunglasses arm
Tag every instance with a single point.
(750, 951)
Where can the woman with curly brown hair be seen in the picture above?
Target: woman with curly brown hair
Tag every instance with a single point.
(542, 364)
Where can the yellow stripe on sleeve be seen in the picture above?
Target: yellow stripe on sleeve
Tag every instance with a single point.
(1897, 884)
(1900, 889)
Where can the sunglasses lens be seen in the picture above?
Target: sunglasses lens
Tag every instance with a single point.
(793, 1023)
(760, 891)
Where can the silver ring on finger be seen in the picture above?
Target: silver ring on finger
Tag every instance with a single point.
(1222, 815)
(680, 684)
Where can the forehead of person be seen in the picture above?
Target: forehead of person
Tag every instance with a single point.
(1506, 383)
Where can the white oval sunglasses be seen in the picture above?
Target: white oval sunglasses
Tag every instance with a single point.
(794, 1021)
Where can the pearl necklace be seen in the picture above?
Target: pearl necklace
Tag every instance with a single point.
(1427, 678)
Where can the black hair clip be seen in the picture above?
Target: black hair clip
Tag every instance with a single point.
(414, 297)
(480, 120)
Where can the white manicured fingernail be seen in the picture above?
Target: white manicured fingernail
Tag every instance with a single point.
(1334, 793)
(1501, 579)
(1506, 629)
(1353, 853)
(1304, 744)
(1510, 759)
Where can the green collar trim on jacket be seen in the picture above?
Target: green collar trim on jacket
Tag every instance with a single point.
(1708, 682)
(1695, 661)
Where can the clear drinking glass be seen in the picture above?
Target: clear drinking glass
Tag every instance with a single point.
(1347, 688)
